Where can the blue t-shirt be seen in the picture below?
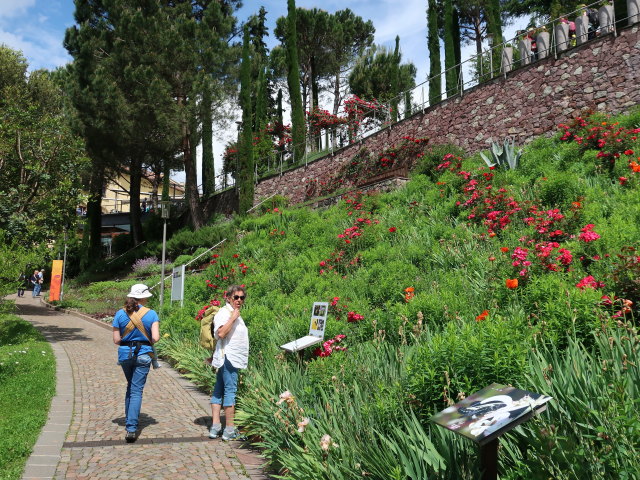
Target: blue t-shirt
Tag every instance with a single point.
(120, 320)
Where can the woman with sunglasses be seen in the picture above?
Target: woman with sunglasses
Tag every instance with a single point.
(230, 355)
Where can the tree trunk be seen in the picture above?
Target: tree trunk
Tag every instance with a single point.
(191, 175)
(94, 212)
(208, 171)
(135, 214)
(336, 93)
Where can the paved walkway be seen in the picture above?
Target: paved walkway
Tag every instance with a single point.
(84, 435)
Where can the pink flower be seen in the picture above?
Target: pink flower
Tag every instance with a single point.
(286, 396)
(589, 282)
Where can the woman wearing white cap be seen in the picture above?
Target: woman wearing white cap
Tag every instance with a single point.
(135, 330)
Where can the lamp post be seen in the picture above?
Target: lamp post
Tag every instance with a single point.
(64, 265)
(164, 214)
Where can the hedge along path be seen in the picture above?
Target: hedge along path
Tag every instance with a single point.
(84, 434)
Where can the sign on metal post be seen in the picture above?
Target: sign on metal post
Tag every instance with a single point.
(487, 415)
(177, 284)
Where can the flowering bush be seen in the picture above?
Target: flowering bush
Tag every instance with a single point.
(363, 114)
(145, 265)
(610, 139)
(319, 120)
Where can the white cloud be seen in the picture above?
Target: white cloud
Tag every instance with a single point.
(14, 8)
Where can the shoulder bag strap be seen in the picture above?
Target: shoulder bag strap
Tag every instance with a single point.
(136, 322)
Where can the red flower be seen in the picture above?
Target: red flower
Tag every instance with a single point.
(392, 229)
(482, 316)
(628, 152)
(504, 249)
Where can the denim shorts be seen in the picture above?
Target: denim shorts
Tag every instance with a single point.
(226, 385)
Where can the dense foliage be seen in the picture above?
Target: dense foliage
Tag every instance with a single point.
(41, 161)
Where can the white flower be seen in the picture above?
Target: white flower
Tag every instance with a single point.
(325, 441)
(285, 396)
(303, 424)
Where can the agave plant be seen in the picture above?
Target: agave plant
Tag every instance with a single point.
(505, 155)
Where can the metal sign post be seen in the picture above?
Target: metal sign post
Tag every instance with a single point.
(164, 214)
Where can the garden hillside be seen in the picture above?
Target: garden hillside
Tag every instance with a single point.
(515, 271)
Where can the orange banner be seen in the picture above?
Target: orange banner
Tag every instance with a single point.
(56, 280)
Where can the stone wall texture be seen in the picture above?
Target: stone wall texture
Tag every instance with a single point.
(602, 75)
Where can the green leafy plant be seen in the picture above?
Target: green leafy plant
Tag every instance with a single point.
(504, 156)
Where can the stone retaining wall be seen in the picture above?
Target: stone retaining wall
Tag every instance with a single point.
(602, 75)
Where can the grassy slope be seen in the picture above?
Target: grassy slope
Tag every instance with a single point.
(27, 384)
(417, 353)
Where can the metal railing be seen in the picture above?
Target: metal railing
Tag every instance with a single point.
(550, 39)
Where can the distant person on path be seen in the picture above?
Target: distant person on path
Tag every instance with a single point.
(230, 355)
(23, 284)
(135, 329)
(35, 279)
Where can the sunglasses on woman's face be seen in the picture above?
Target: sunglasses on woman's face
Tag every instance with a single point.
(238, 297)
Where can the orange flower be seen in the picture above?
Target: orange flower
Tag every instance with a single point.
(635, 167)
(504, 249)
(408, 294)
(482, 316)
(512, 283)
(576, 204)
(492, 234)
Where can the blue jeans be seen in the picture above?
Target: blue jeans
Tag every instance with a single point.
(135, 370)
(226, 385)
(36, 289)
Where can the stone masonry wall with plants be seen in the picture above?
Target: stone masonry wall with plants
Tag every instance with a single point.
(601, 75)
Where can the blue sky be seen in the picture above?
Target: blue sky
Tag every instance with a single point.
(36, 27)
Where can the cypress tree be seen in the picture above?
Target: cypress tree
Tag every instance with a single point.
(395, 90)
(298, 127)
(246, 144)
(449, 50)
(433, 42)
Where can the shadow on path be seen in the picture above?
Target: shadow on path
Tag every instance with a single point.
(34, 309)
(144, 421)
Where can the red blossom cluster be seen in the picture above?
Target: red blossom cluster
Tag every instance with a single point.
(353, 317)
(202, 311)
(329, 346)
(319, 119)
(610, 139)
(342, 260)
(281, 132)
(589, 282)
(224, 272)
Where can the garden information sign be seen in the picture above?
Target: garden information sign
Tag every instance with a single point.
(316, 329)
(484, 416)
(490, 412)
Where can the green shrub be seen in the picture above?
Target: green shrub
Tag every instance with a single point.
(465, 357)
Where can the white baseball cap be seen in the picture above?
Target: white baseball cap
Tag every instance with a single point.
(140, 290)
